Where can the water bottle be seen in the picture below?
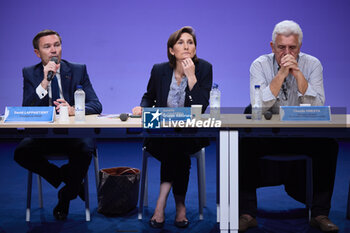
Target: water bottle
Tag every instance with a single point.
(215, 102)
(79, 100)
(257, 105)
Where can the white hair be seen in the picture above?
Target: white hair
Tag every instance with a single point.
(286, 28)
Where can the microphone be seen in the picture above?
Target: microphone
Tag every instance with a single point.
(50, 73)
(268, 115)
(124, 116)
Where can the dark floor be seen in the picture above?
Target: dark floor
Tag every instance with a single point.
(278, 212)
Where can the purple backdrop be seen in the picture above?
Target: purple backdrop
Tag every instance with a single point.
(121, 40)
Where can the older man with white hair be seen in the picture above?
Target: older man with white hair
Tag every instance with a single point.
(288, 77)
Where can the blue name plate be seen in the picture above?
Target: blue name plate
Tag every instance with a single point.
(305, 113)
(29, 114)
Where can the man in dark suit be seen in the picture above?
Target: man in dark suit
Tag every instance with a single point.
(39, 91)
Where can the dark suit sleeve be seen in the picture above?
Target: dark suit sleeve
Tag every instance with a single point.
(148, 99)
(92, 103)
(30, 97)
(201, 90)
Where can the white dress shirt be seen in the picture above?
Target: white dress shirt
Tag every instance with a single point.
(265, 68)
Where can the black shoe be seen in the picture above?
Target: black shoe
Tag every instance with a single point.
(153, 223)
(61, 210)
(245, 223)
(182, 224)
(324, 224)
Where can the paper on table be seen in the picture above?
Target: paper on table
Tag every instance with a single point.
(108, 116)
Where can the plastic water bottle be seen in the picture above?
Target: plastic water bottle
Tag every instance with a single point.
(79, 100)
(257, 105)
(215, 102)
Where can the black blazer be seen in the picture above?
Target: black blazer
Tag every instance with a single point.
(72, 74)
(159, 85)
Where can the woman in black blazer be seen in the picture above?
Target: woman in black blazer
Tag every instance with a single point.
(181, 82)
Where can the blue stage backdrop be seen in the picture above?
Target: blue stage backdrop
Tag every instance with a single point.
(120, 40)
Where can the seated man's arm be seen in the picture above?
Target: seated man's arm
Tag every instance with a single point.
(314, 93)
(31, 97)
(92, 103)
(258, 76)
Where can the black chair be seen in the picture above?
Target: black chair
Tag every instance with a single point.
(294, 157)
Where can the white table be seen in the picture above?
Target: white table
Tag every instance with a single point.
(229, 144)
(229, 133)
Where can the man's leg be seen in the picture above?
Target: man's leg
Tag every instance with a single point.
(324, 154)
(80, 153)
(249, 151)
(30, 154)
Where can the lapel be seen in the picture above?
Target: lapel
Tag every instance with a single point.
(66, 78)
(166, 81)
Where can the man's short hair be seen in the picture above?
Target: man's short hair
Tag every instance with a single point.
(174, 37)
(45, 32)
(287, 28)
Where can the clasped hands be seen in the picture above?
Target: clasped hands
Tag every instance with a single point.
(288, 65)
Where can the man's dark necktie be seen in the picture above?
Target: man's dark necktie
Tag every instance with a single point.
(284, 87)
(55, 90)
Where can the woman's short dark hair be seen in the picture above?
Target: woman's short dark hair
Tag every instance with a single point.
(45, 32)
(174, 38)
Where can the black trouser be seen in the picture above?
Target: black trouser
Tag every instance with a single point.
(323, 152)
(30, 154)
(174, 155)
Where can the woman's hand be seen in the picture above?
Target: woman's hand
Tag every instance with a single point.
(189, 70)
(137, 111)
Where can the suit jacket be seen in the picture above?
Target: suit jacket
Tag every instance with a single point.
(72, 74)
(159, 85)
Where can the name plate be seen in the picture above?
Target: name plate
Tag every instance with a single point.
(29, 114)
(152, 117)
(305, 113)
